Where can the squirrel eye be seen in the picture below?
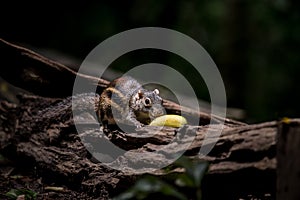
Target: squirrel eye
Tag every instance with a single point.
(147, 102)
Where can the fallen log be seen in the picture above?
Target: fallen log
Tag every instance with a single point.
(39, 133)
(243, 155)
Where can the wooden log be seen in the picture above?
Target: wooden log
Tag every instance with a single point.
(243, 158)
(35, 73)
(40, 133)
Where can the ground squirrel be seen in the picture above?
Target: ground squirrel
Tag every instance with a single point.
(126, 101)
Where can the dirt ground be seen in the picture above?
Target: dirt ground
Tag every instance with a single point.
(12, 177)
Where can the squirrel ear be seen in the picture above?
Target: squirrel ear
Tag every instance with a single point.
(139, 95)
(156, 91)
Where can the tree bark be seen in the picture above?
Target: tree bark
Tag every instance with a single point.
(243, 158)
(40, 133)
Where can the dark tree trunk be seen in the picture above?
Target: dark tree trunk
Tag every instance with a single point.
(288, 168)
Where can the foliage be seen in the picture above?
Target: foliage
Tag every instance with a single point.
(181, 186)
(148, 187)
(15, 193)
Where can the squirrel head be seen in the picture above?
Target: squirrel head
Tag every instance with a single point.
(148, 103)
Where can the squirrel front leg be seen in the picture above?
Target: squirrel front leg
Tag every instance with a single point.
(131, 118)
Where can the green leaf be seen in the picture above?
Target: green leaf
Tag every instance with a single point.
(199, 171)
(183, 180)
(150, 185)
(14, 193)
(194, 171)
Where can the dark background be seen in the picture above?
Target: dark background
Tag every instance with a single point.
(255, 44)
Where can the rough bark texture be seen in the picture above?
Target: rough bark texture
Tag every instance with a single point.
(241, 162)
(38, 74)
(39, 134)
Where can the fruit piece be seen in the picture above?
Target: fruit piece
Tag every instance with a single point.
(175, 121)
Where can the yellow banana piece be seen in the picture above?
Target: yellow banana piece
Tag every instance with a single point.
(175, 121)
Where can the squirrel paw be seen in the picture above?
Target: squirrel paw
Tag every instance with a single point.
(140, 125)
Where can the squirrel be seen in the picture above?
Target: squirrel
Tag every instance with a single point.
(126, 101)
